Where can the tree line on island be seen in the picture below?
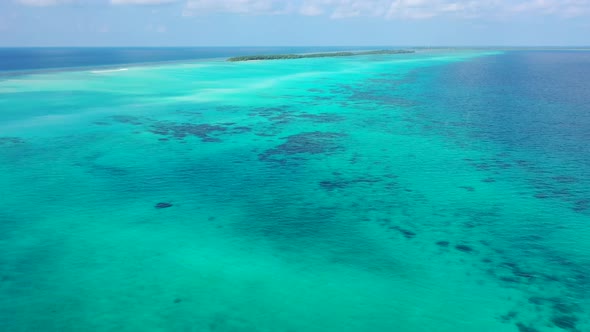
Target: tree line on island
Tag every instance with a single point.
(313, 55)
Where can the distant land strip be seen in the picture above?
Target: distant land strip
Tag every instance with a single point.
(313, 55)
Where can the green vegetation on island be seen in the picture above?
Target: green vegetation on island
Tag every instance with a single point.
(314, 55)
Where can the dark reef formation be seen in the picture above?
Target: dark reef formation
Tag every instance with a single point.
(331, 185)
(163, 205)
(406, 233)
(463, 248)
(565, 322)
(11, 140)
(182, 130)
(305, 143)
(524, 328)
(127, 119)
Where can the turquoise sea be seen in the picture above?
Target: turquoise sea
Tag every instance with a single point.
(446, 190)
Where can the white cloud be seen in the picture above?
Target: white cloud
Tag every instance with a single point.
(46, 3)
(392, 9)
(412, 9)
(567, 8)
(422, 9)
(43, 3)
(255, 7)
(309, 8)
(338, 9)
(142, 2)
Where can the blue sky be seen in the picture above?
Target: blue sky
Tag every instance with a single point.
(293, 22)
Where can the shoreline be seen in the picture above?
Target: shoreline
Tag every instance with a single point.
(314, 55)
(7, 74)
(152, 62)
(127, 66)
(104, 68)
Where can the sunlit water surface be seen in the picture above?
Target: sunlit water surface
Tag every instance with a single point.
(428, 192)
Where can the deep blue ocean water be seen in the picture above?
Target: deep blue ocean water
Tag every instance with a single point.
(529, 103)
(446, 190)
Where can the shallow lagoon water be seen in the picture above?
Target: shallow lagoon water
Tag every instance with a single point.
(437, 191)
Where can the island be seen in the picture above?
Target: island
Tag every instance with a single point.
(314, 55)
